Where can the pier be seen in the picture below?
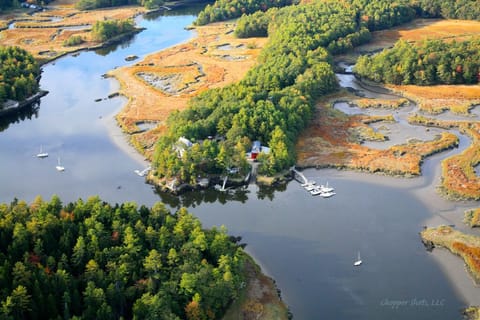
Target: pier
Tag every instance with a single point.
(297, 175)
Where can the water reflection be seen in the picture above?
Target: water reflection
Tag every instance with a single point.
(195, 198)
(126, 42)
(265, 192)
(25, 113)
(243, 194)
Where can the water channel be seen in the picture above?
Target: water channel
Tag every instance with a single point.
(308, 244)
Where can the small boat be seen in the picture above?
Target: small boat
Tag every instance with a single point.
(327, 194)
(308, 183)
(359, 260)
(309, 187)
(326, 188)
(316, 191)
(143, 172)
(42, 154)
(59, 167)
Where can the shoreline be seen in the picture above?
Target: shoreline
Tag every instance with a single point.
(458, 272)
(120, 139)
(19, 105)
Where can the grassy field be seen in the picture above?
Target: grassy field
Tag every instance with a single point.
(421, 29)
(458, 99)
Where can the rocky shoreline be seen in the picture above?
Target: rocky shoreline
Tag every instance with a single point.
(11, 106)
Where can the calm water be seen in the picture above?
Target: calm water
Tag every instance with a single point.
(308, 244)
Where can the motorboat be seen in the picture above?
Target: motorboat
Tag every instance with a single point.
(309, 187)
(327, 194)
(311, 182)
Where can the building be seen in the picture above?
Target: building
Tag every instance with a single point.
(257, 148)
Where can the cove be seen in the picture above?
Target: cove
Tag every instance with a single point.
(308, 244)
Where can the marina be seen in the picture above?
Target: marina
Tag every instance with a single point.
(324, 191)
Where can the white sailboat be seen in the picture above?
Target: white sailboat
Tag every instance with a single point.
(359, 260)
(326, 188)
(59, 167)
(42, 154)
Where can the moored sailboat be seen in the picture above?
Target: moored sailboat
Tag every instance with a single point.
(358, 262)
(59, 167)
(42, 154)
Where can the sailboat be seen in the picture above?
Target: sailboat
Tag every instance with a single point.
(59, 167)
(42, 154)
(326, 188)
(359, 260)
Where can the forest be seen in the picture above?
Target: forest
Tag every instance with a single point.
(448, 9)
(222, 10)
(93, 260)
(19, 74)
(429, 62)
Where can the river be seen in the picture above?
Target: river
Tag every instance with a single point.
(308, 244)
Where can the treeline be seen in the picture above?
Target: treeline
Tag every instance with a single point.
(95, 4)
(92, 260)
(18, 74)
(426, 63)
(227, 9)
(448, 9)
(107, 29)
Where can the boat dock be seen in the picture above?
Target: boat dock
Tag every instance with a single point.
(311, 187)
